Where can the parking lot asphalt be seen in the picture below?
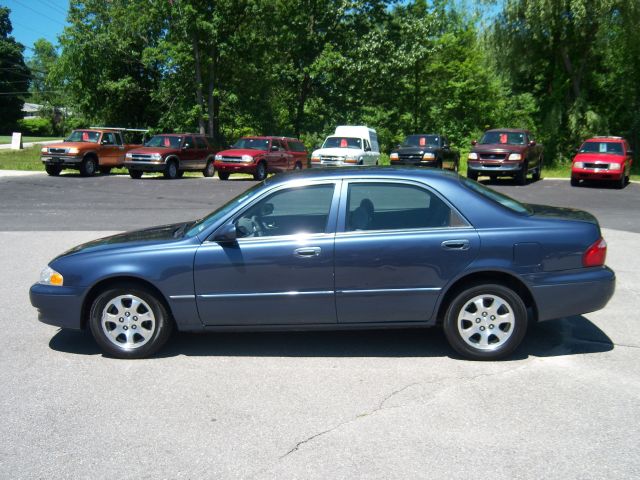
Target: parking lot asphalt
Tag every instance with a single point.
(117, 202)
(380, 405)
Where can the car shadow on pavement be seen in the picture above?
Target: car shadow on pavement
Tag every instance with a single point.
(568, 336)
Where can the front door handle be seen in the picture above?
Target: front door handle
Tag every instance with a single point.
(455, 244)
(307, 252)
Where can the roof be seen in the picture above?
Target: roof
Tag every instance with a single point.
(514, 130)
(270, 137)
(605, 137)
(390, 172)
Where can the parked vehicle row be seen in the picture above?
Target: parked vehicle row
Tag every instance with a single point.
(500, 152)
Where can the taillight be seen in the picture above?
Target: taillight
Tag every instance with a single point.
(595, 254)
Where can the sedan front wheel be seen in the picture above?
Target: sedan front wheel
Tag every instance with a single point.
(486, 322)
(129, 322)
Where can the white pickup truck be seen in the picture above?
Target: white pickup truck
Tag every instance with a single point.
(348, 146)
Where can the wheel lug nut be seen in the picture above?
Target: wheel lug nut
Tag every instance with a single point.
(126, 314)
(121, 319)
(133, 326)
(484, 314)
(125, 328)
(135, 318)
(482, 329)
(493, 317)
(478, 320)
(490, 326)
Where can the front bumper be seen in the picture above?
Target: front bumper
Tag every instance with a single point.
(415, 163)
(235, 167)
(62, 160)
(145, 166)
(596, 174)
(495, 167)
(58, 306)
(573, 292)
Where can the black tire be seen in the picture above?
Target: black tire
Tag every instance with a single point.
(210, 170)
(575, 182)
(223, 175)
(537, 175)
(297, 166)
(439, 164)
(513, 325)
(154, 320)
(135, 174)
(105, 170)
(170, 170)
(180, 174)
(620, 184)
(456, 165)
(88, 166)
(261, 171)
(521, 176)
(472, 175)
(53, 170)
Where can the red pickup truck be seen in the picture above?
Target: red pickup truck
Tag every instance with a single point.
(88, 150)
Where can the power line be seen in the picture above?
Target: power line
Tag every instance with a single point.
(53, 6)
(40, 13)
(17, 94)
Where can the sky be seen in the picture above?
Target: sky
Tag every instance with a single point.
(34, 19)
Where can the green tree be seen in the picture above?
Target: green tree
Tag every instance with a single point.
(14, 75)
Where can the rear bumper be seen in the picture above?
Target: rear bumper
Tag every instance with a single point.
(596, 174)
(58, 306)
(563, 294)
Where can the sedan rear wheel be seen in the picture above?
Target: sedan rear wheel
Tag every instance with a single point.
(486, 322)
(129, 322)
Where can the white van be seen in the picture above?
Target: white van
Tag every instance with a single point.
(350, 145)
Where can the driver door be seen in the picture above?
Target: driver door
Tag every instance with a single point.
(279, 270)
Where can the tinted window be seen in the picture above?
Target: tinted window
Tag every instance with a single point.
(277, 144)
(108, 138)
(252, 143)
(83, 136)
(602, 147)
(288, 212)
(201, 143)
(164, 141)
(509, 138)
(295, 146)
(188, 143)
(342, 142)
(497, 197)
(393, 206)
(421, 141)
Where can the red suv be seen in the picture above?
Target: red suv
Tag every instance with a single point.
(261, 155)
(603, 158)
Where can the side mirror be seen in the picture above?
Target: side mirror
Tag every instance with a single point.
(532, 143)
(446, 145)
(226, 233)
(474, 142)
(630, 153)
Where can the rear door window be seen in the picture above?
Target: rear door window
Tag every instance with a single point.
(202, 145)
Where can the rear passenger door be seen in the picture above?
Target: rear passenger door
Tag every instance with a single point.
(189, 154)
(398, 244)
(202, 149)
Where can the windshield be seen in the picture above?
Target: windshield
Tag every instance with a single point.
(252, 143)
(421, 141)
(614, 148)
(342, 142)
(507, 138)
(164, 141)
(83, 136)
(205, 222)
(500, 198)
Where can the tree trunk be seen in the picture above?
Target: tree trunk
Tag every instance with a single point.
(199, 98)
(302, 99)
(214, 97)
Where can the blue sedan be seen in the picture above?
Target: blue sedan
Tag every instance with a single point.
(338, 249)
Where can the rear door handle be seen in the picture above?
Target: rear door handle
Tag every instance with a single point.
(455, 244)
(306, 252)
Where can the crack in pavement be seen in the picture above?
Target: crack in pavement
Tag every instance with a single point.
(381, 406)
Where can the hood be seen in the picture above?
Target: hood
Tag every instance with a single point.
(238, 152)
(78, 145)
(150, 150)
(498, 148)
(415, 150)
(338, 152)
(153, 235)
(598, 157)
(562, 213)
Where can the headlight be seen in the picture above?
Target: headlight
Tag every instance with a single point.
(73, 150)
(615, 167)
(394, 156)
(156, 156)
(44, 150)
(473, 156)
(515, 156)
(129, 155)
(578, 165)
(428, 156)
(247, 158)
(49, 276)
(218, 157)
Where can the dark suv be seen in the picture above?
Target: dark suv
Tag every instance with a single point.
(173, 154)
(506, 152)
(426, 150)
(261, 155)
